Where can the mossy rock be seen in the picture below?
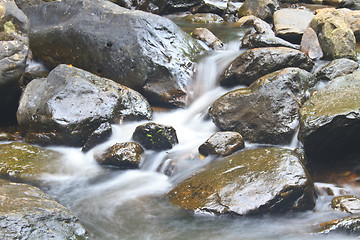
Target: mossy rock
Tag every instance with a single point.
(25, 162)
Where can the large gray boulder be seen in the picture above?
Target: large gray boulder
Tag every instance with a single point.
(14, 47)
(330, 120)
(257, 62)
(28, 213)
(67, 106)
(269, 180)
(140, 50)
(336, 38)
(267, 111)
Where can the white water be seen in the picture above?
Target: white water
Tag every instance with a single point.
(131, 204)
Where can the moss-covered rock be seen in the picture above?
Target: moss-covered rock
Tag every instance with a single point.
(28, 213)
(249, 182)
(25, 162)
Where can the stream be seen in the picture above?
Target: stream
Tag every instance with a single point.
(131, 204)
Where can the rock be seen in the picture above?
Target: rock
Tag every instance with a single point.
(259, 25)
(267, 111)
(329, 120)
(263, 40)
(20, 161)
(336, 68)
(353, 18)
(28, 213)
(257, 181)
(263, 9)
(14, 47)
(208, 37)
(123, 3)
(245, 68)
(335, 36)
(209, 6)
(100, 135)
(290, 24)
(222, 144)
(343, 225)
(204, 18)
(155, 136)
(347, 203)
(231, 12)
(310, 45)
(163, 7)
(67, 106)
(158, 62)
(122, 156)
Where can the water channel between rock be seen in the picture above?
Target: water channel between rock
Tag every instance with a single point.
(130, 204)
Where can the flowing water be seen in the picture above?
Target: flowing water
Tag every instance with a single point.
(131, 204)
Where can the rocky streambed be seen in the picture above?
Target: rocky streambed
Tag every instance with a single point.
(168, 120)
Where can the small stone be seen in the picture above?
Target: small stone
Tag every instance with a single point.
(222, 144)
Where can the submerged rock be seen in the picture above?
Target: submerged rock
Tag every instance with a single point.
(28, 213)
(335, 36)
(255, 63)
(67, 106)
(270, 180)
(204, 18)
(263, 9)
(336, 68)
(267, 111)
(155, 136)
(330, 120)
(290, 24)
(122, 156)
(347, 203)
(14, 48)
(222, 144)
(24, 162)
(142, 51)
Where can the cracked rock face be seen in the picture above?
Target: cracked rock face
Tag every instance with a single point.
(249, 182)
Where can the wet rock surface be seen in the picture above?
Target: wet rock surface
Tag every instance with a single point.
(222, 144)
(263, 9)
(347, 203)
(67, 106)
(344, 225)
(122, 156)
(329, 120)
(143, 51)
(155, 136)
(28, 213)
(249, 182)
(255, 63)
(207, 37)
(20, 161)
(335, 36)
(267, 111)
(100, 135)
(163, 7)
(14, 48)
(336, 68)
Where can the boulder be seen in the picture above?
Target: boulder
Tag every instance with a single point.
(267, 111)
(256, 181)
(66, 107)
(290, 24)
(204, 18)
(20, 161)
(310, 45)
(28, 213)
(14, 47)
(122, 156)
(353, 18)
(330, 120)
(145, 52)
(210, 6)
(208, 38)
(263, 9)
(347, 203)
(343, 225)
(335, 36)
(336, 68)
(155, 136)
(163, 7)
(100, 135)
(245, 68)
(255, 40)
(222, 144)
